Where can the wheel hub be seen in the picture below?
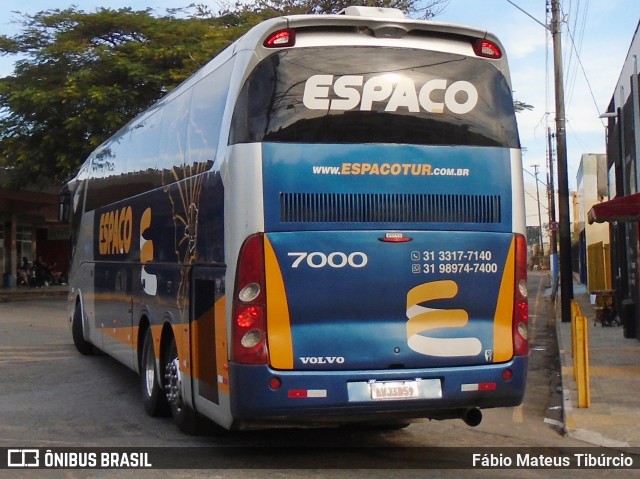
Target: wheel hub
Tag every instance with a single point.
(173, 382)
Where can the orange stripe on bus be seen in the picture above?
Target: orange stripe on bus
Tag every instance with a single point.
(128, 335)
(502, 323)
(278, 320)
(221, 344)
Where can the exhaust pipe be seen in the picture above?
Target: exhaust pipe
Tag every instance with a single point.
(472, 417)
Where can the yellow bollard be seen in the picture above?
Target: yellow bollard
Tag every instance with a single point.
(575, 312)
(581, 361)
(575, 309)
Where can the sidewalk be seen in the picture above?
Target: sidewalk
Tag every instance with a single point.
(613, 420)
(21, 293)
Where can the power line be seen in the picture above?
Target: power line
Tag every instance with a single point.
(539, 203)
(564, 233)
(537, 179)
(528, 14)
(593, 97)
(567, 54)
(575, 32)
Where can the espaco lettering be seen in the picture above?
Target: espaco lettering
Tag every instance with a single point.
(350, 92)
(115, 231)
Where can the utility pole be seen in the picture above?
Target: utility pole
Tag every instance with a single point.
(553, 226)
(566, 270)
(541, 250)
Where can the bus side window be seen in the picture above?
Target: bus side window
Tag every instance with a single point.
(207, 110)
(173, 138)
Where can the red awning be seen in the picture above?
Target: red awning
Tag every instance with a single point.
(623, 208)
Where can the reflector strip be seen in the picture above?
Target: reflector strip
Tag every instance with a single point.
(478, 387)
(306, 393)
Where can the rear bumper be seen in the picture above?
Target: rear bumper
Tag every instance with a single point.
(311, 397)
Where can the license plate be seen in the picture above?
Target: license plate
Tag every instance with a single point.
(387, 391)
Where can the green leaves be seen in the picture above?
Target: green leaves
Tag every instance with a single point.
(81, 76)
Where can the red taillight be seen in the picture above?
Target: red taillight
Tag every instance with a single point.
(487, 49)
(521, 305)
(248, 316)
(249, 335)
(281, 39)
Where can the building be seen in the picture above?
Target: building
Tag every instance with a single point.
(537, 211)
(29, 229)
(622, 211)
(593, 239)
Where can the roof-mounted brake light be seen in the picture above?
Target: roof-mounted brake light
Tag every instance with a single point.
(380, 12)
(487, 49)
(281, 39)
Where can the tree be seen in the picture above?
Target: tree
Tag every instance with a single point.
(426, 9)
(521, 106)
(83, 75)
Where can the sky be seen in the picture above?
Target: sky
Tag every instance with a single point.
(600, 31)
(596, 39)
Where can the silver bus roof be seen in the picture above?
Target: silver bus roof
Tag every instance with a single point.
(383, 23)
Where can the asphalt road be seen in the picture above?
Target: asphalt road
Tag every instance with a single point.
(53, 397)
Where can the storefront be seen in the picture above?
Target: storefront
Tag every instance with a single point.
(623, 214)
(30, 236)
(622, 211)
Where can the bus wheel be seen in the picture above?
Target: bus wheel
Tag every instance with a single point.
(82, 345)
(155, 402)
(185, 417)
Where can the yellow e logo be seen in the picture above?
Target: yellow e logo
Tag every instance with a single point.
(423, 319)
(149, 281)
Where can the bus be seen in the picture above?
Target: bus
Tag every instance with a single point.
(322, 226)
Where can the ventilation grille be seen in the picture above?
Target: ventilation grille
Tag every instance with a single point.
(388, 208)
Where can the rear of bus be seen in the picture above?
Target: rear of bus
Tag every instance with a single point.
(376, 189)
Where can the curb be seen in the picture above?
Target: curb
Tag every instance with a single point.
(14, 295)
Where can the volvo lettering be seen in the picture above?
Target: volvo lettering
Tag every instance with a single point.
(322, 360)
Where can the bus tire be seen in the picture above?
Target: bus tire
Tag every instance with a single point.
(77, 331)
(185, 418)
(153, 397)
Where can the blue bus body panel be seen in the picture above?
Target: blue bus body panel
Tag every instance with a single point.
(396, 263)
(328, 393)
(359, 315)
(352, 294)
(437, 187)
